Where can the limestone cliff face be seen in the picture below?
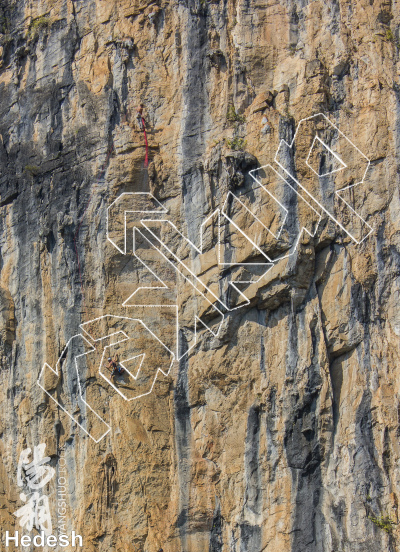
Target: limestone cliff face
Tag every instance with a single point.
(281, 433)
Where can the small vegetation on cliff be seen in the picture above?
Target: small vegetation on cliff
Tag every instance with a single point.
(383, 522)
(38, 25)
(236, 144)
(389, 35)
(33, 170)
(233, 117)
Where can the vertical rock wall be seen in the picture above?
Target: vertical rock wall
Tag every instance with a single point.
(281, 433)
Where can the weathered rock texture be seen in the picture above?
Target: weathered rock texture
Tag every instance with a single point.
(281, 434)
